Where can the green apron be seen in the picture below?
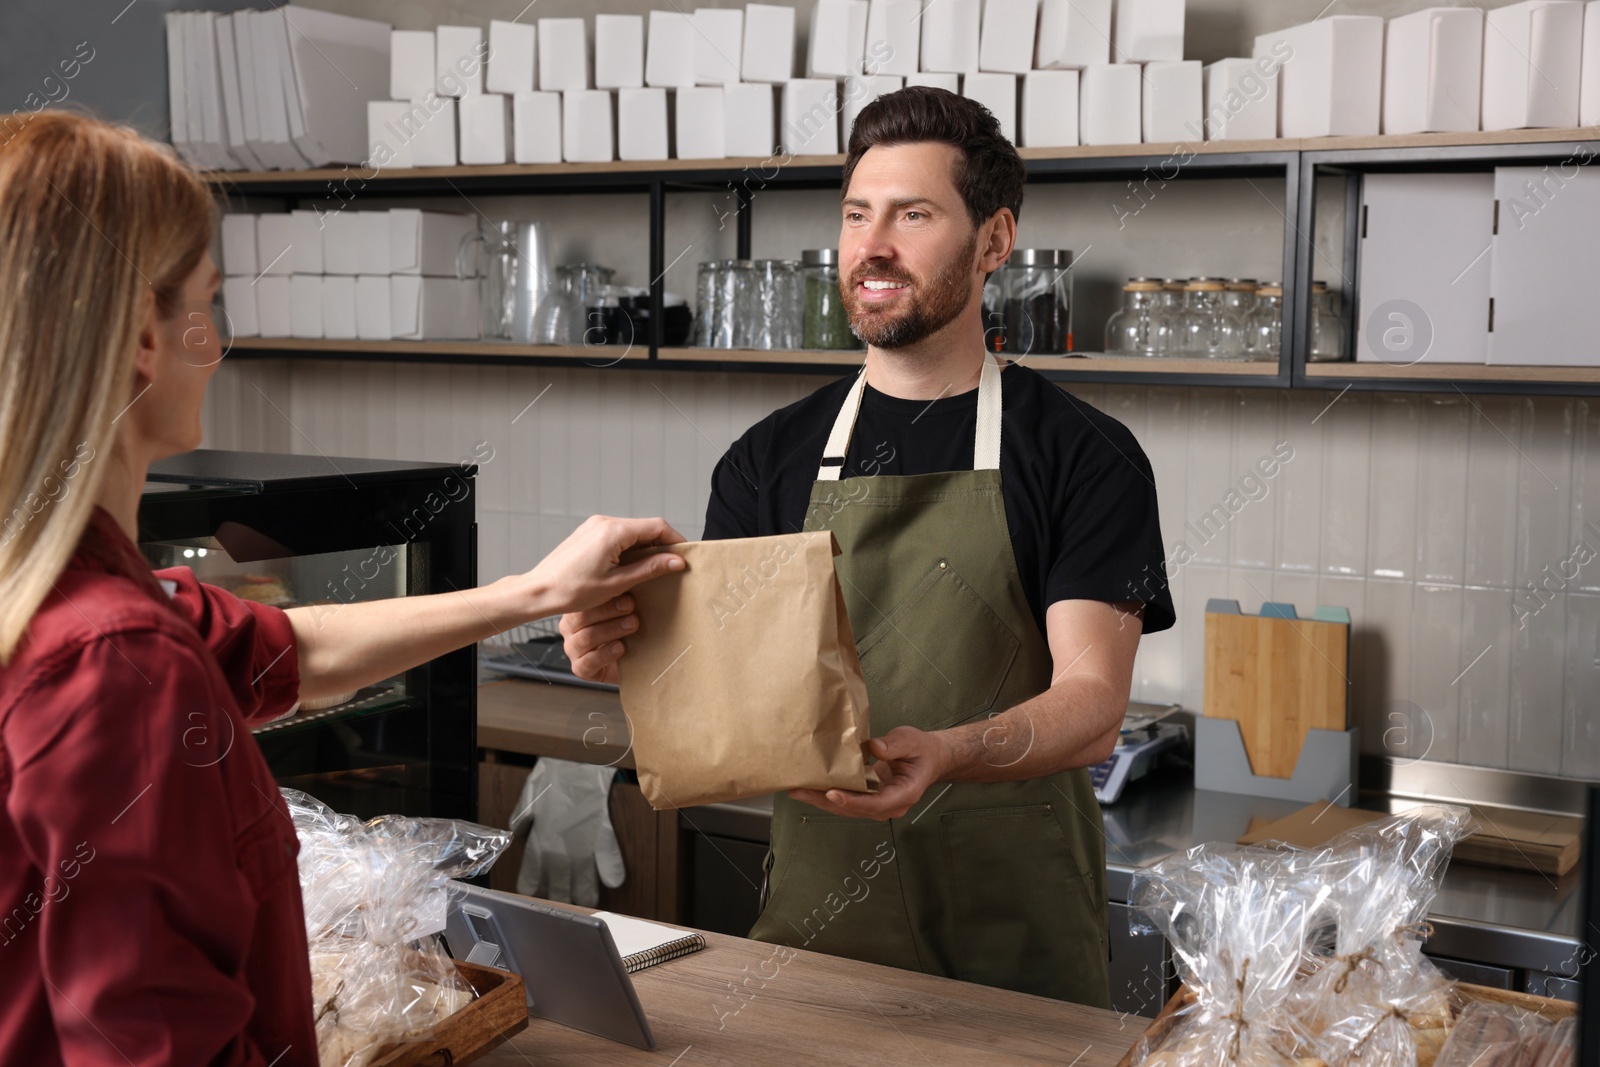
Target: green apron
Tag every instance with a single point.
(1002, 883)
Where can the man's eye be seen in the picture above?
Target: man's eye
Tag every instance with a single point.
(912, 216)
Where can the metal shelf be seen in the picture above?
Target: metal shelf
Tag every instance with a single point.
(1299, 163)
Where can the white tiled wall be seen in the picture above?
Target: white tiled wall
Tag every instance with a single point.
(1428, 516)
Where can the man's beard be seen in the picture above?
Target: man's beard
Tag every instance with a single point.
(932, 307)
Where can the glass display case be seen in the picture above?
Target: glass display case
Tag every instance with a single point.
(321, 533)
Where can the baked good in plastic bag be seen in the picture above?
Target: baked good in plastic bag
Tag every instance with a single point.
(376, 894)
(1238, 919)
(1368, 994)
(1495, 1035)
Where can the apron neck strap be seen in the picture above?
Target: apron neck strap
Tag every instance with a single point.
(986, 441)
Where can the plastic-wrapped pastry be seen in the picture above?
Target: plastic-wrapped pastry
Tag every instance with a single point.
(1494, 1035)
(376, 895)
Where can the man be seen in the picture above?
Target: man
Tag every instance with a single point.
(997, 574)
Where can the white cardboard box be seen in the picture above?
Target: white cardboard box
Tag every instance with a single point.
(894, 34)
(1589, 80)
(513, 57)
(1006, 44)
(669, 61)
(563, 55)
(485, 128)
(458, 60)
(586, 126)
(700, 122)
(1532, 60)
(1241, 99)
(950, 33)
(429, 242)
(388, 139)
(272, 306)
(1432, 70)
(433, 309)
(1423, 289)
(306, 233)
(810, 116)
(434, 144)
(1542, 269)
(838, 38)
(1109, 104)
(768, 43)
(1073, 34)
(373, 318)
(748, 120)
(642, 124)
(1050, 109)
(339, 308)
(239, 298)
(936, 80)
(275, 244)
(998, 93)
(536, 127)
(618, 51)
(1330, 84)
(1172, 101)
(341, 241)
(305, 305)
(860, 91)
(373, 254)
(1148, 31)
(239, 245)
(411, 64)
(718, 44)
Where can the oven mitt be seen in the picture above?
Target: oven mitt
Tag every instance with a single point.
(564, 810)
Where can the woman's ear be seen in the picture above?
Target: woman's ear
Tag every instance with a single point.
(147, 356)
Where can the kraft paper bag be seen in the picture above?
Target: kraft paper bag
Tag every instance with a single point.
(742, 678)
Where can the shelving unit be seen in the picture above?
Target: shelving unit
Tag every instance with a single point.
(1299, 164)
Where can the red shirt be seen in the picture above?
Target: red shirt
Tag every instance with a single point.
(149, 903)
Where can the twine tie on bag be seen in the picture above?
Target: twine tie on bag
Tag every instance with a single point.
(1236, 1017)
(1351, 962)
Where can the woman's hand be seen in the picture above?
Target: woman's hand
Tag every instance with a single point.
(587, 570)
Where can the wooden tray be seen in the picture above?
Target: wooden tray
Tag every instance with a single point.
(1548, 1008)
(499, 1012)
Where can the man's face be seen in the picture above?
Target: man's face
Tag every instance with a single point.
(908, 263)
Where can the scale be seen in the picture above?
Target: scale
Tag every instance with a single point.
(1143, 737)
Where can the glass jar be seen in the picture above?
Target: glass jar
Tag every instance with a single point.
(707, 295)
(742, 302)
(1265, 325)
(1327, 328)
(824, 322)
(562, 319)
(1037, 289)
(1210, 330)
(497, 278)
(1134, 330)
(778, 303)
(1169, 334)
(1239, 297)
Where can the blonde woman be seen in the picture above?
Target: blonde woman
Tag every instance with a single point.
(149, 909)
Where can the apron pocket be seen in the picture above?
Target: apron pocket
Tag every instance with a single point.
(839, 892)
(1021, 917)
(939, 659)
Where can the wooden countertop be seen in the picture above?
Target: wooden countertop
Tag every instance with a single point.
(545, 719)
(805, 1007)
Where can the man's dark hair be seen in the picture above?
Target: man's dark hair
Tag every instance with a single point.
(990, 174)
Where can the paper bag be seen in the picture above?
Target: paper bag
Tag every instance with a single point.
(742, 678)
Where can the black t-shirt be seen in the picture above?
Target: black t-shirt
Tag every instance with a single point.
(1080, 498)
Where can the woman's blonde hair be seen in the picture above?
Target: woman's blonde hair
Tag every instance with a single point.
(95, 223)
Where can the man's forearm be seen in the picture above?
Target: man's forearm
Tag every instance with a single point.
(1072, 724)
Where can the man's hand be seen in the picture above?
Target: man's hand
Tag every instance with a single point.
(593, 639)
(909, 761)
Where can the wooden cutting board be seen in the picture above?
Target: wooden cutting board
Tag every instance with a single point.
(1277, 678)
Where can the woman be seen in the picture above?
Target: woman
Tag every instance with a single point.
(149, 906)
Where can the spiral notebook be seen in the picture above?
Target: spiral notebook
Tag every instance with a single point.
(643, 944)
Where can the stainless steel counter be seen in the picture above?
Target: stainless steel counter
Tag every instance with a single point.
(1509, 919)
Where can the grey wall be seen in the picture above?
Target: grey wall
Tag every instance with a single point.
(126, 77)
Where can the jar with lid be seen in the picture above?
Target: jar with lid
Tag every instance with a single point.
(778, 300)
(1327, 328)
(707, 298)
(1037, 288)
(1239, 297)
(1135, 329)
(1265, 326)
(1169, 340)
(1209, 328)
(824, 322)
